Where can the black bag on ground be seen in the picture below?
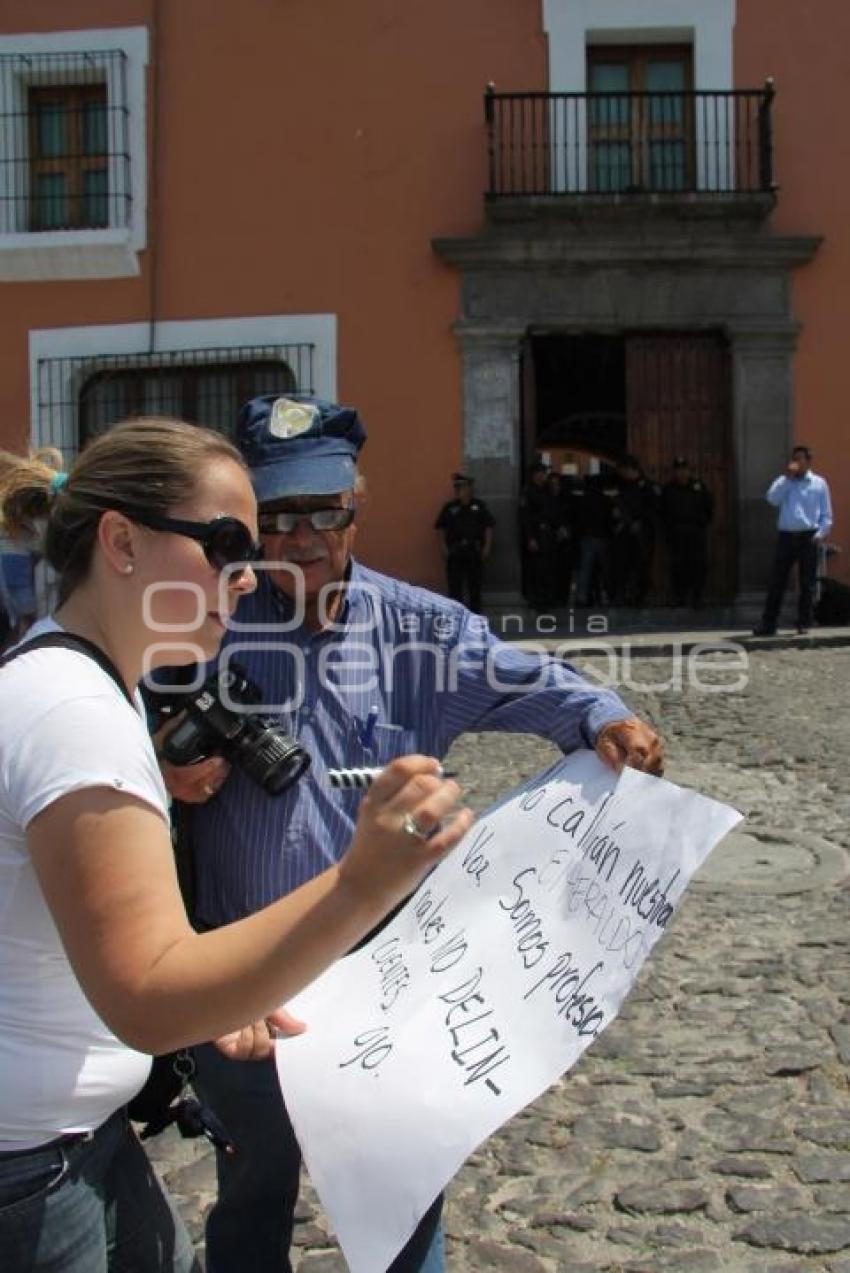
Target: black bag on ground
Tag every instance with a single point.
(832, 608)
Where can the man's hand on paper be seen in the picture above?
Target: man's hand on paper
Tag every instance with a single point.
(631, 742)
(255, 1042)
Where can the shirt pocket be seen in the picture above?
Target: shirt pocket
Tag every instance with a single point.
(386, 743)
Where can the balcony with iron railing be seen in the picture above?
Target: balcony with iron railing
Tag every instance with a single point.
(621, 148)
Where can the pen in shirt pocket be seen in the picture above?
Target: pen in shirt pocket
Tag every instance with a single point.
(367, 729)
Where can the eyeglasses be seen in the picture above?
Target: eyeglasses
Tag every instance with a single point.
(225, 540)
(319, 519)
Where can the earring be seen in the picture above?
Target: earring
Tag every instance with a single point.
(128, 569)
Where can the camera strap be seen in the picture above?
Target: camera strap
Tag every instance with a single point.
(68, 641)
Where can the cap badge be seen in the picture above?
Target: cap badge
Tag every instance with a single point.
(289, 419)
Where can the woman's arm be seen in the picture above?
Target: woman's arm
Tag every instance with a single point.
(106, 868)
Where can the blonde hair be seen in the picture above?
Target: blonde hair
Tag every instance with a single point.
(23, 484)
(50, 455)
(8, 462)
(149, 464)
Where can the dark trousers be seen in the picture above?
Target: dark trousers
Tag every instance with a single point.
(464, 570)
(535, 579)
(791, 547)
(631, 567)
(593, 586)
(543, 575)
(688, 553)
(567, 558)
(558, 561)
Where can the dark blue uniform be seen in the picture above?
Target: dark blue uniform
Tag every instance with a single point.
(686, 510)
(465, 526)
(633, 542)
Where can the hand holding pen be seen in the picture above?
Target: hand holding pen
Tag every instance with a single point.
(408, 805)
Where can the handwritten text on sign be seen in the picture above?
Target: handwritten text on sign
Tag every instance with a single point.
(511, 958)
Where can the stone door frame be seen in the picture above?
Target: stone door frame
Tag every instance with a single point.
(654, 276)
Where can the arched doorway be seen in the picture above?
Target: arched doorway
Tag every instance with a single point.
(590, 398)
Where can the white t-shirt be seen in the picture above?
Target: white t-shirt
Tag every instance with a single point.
(64, 725)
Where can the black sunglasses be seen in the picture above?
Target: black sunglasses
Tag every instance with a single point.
(225, 540)
(319, 519)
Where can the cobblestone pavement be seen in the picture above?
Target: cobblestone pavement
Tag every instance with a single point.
(709, 1128)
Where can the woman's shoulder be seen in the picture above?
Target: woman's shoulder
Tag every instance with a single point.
(36, 682)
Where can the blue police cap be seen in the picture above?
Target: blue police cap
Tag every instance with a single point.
(295, 444)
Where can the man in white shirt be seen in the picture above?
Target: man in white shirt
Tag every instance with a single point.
(805, 517)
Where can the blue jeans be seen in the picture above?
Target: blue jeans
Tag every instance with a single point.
(89, 1206)
(250, 1226)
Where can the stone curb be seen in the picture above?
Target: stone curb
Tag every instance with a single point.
(657, 645)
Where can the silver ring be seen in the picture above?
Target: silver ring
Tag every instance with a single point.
(411, 827)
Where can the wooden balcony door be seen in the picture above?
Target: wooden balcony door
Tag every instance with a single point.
(641, 131)
(69, 157)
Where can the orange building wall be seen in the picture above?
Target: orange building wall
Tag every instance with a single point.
(29, 305)
(805, 47)
(306, 155)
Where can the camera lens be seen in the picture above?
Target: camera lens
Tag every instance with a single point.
(271, 757)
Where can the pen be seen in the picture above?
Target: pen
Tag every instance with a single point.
(367, 733)
(352, 778)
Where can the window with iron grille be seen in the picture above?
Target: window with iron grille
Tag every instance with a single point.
(64, 141)
(79, 398)
(73, 153)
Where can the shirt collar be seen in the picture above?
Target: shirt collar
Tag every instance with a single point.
(352, 598)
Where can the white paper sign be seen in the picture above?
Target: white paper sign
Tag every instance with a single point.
(511, 958)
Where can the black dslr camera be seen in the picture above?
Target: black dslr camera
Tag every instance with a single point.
(254, 742)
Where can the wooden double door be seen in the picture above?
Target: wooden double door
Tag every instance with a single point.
(678, 403)
(656, 395)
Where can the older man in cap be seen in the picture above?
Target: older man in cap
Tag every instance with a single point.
(318, 637)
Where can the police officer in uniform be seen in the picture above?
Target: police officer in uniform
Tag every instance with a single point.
(686, 510)
(467, 526)
(595, 501)
(534, 536)
(633, 542)
(560, 549)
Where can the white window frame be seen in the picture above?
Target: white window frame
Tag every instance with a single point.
(707, 25)
(110, 252)
(318, 330)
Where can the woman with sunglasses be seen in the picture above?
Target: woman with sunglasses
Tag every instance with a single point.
(153, 534)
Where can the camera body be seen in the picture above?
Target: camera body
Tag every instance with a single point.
(219, 722)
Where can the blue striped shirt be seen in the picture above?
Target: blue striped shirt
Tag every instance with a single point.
(430, 668)
(803, 503)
